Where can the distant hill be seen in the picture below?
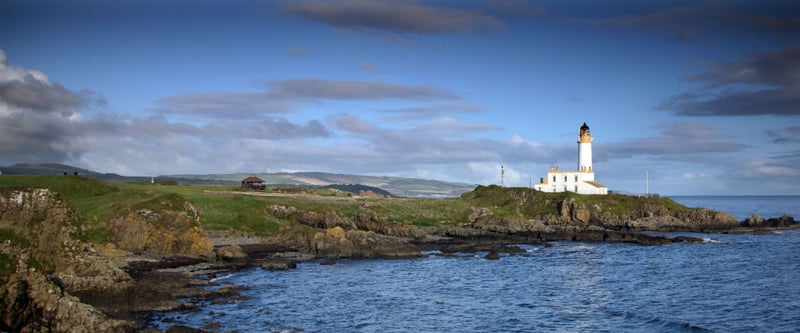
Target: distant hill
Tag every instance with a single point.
(58, 169)
(384, 185)
(398, 186)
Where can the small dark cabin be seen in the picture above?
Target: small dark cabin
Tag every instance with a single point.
(253, 183)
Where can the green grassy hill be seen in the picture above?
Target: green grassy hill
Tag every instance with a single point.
(221, 208)
(224, 208)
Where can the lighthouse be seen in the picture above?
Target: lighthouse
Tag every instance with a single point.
(584, 149)
(579, 181)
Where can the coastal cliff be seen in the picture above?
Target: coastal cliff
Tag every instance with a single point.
(44, 267)
(58, 276)
(523, 209)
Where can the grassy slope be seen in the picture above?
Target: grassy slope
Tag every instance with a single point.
(520, 202)
(97, 201)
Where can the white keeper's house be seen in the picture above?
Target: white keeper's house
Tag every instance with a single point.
(580, 181)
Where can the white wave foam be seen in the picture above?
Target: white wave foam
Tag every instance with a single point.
(711, 240)
(222, 277)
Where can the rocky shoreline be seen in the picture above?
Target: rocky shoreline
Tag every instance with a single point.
(53, 282)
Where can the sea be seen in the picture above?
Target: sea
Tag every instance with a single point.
(728, 283)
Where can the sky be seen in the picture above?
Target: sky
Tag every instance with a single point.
(691, 97)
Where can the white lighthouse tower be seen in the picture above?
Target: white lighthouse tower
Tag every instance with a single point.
(579, 181)
(584, 149)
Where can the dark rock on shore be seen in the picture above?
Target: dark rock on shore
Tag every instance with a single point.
(278, 265)
(756, 221)
(492, 256)
(232, 254)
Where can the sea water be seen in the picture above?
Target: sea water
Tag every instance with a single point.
(730, 283)
(743, 207)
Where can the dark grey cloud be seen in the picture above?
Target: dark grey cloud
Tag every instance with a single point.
(37, 95)
(696, 22)
(767, 84)
(789, 134)
(778, 68)
(352, 90)
(225, 105)
(36, 136)
(393, 16)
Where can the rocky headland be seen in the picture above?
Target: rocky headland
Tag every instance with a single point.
(157, 250)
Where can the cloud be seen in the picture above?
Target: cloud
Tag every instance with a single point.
(352, 89)
(393, 16)
(787, 135)
(37, 117)
(697, 22)
(268, 128)
(777, 173)
(41, 96)
(289, 95)
(24, 90)
(449, 127)
(352, 124)
(226, 105)
(438, 141)
(35, 136)
(42, 121)
(682, 141)
(432, 110)
(767, 84)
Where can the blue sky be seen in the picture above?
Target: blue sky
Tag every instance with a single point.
(704, 96)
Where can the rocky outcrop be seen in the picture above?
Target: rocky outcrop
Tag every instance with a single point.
(365, 219)
(232, 253)
(511, 225)
(364, 235)
(44, 267)
(32, 302)
(335, 242)
(278, 265)
(756, 221)
(166, 224)
(368, 220)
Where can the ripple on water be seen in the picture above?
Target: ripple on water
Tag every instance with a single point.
(746, 283)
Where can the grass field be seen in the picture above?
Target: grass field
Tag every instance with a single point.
(222, 207)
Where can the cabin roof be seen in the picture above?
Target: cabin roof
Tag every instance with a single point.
(252, 179)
